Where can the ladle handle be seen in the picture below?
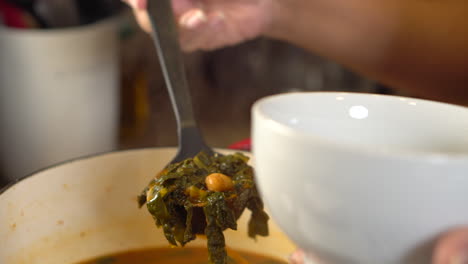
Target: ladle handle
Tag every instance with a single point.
(166, 40)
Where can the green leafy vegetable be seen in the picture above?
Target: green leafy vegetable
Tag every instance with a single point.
(184, 204)
(214, 234)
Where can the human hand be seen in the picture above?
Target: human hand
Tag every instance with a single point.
(211, 24)
(452, 248)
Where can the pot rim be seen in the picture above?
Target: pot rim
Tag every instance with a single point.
(85, 157)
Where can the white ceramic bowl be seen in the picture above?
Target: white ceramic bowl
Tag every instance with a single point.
(87, 208)
(361, 178)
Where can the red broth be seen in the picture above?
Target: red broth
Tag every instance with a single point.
(179, 256)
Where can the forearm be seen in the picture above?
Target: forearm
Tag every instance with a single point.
(418, 46)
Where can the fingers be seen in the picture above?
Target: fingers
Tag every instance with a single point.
(300, 257)
(180, 7)
(198, 29)
(193, 22)
(452, 248)
(139, 10)
(297, 257)
(193, 19)
(143, 20)
(137, 4)
(202, 31)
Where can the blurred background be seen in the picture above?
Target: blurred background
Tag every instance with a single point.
(79, 77)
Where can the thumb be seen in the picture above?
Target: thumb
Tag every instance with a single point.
(136, 4)
(452, 248)
(301, 257)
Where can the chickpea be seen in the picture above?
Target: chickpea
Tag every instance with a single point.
(218, 182)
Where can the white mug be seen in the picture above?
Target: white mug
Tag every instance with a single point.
(59, 94)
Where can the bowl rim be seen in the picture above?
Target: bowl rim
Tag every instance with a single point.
(398, 154)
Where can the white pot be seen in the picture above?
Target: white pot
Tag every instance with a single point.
(59, 95)
(87, 208)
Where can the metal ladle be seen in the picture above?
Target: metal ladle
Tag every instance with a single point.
(166, 39)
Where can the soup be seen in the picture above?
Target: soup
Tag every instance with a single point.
(180, 256)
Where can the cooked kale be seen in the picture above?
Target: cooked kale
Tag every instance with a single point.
(205, 195)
